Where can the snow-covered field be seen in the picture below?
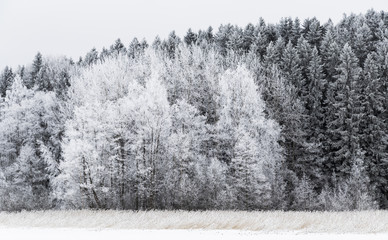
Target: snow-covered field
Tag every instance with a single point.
(121, 234)
(264, 222)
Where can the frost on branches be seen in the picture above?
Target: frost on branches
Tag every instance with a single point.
(291, 116)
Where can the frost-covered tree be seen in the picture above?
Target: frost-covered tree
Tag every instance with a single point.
(152, 126)
(291, 67)
(6, 79)
(135, 48)
(251, 147)
(31, 127)
(36, 67)
(94, 167)
(91, 57)
(305, 196)
(344, 128)
(185, 159)
(183, 125)
(117, 48)
(190, 38)
(363, 43)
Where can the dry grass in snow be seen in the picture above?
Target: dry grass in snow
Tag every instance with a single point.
(275, 221)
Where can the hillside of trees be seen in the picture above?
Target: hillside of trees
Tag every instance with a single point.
(286, 116)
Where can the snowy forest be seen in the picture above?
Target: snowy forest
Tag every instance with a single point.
(286, 116)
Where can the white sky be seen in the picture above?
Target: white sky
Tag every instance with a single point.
(73, 27)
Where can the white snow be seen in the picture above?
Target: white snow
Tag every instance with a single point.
(362, 222)
(75, 234)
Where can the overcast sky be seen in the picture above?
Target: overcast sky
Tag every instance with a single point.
(73, 27)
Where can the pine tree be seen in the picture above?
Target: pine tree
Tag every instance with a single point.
(330, 52)
(313, 32)
(295, 31)
(286, 29)
(304, 52)
(222, 37)
(363, 43)
(284, 106)
(315, 103)
(156, 44)
(291, 67)
(6, 79)
(271, 58)
(171, 44)
(134, 48)
(344, 129)
(91, 57)
(248, 37)
(34, 73)
(359, 185)
(104, 54)
(117, 48)
(376, 74)
(235, 40)
(190, 38)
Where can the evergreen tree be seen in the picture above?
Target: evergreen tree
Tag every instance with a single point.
(313, 32)
(363, 43)
(104, 54)
(376, 76)
(190, 38)
(6, 80)
(284, 106)
(315, 103)
(222, 37)
(156, 44)
(295, 31)
(344, 128)
(117, 48)
(291, 67)
(91, 57)
(304, 52)
(359, 186)
(286, 29)
(134, 48)
(248, 37)
(171, 44)
(37, 65)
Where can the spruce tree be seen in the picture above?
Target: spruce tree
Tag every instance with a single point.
(117, 48)
(190, 38)
(344, 125)
(91, 57)
(379, 104)
(6, 80)
(363, 43)
(291, 67)
(295, 31)
(37, 65)
(134, 48)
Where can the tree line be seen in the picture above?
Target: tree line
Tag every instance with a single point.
(290, 116)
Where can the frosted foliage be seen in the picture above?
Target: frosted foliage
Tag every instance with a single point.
(107, 119)
(252, 137)
(287, 116)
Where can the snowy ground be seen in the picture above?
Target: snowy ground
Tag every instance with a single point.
(117, 234)
(193, 225)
